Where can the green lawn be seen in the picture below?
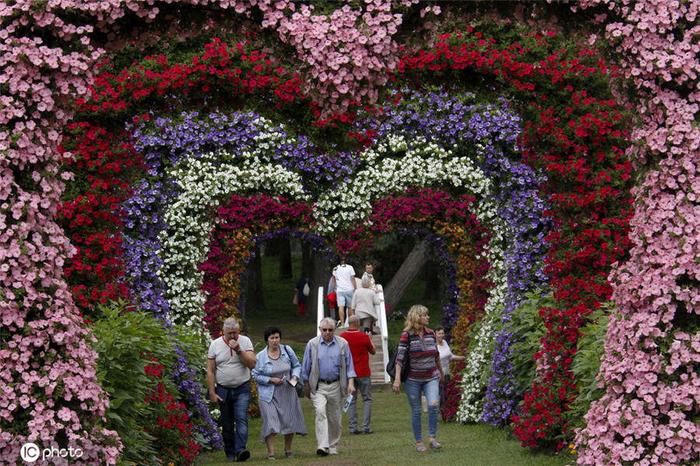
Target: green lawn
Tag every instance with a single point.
(392, 442)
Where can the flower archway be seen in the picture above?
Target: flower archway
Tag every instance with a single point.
(197, 181)
(577, 138)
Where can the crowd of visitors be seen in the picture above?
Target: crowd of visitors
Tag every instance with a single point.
(333, 374)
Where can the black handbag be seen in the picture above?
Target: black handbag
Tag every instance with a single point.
(391, 366)
(299, 387)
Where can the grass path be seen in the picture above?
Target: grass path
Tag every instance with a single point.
(392, 443)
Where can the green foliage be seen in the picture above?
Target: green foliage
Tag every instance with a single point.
(528, 327)
(590, 350)
(194, 346)
(126, 342)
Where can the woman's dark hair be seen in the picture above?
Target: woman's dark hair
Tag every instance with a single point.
(271, 331)
(438, 328)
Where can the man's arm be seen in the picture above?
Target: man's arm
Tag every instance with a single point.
(245, 353)
(247, 358)
(350, 368)
(306, 364)
(211, 379)
(371, 348)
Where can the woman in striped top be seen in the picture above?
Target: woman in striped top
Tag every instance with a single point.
(419, 344)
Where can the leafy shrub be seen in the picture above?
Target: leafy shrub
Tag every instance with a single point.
(528, 328)
(590, 350)
(172, 429)
(134, 353)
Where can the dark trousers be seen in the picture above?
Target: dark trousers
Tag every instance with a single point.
(234, 417)
(443, 390)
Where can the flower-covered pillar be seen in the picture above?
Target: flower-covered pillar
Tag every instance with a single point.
(648, 414)
(51, 395)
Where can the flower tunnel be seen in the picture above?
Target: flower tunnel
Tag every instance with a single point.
(148, 180)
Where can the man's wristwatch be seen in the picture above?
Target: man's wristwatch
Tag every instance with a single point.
(238, 351)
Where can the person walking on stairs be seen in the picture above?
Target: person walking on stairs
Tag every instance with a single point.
(344, 280)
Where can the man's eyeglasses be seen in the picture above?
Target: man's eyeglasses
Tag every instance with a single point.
(327, 329)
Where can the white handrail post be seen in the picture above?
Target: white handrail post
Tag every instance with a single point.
(320, 312)
(384, 329)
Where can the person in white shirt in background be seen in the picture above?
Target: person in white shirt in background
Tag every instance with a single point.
(344, 279)
(446, 356)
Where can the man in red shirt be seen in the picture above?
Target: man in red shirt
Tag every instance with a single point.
(361, 347)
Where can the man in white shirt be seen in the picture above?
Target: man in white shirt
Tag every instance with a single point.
(344, 278)
(230, 359)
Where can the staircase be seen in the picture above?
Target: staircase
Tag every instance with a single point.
(376, 362)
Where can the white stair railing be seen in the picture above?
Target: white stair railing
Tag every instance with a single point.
(384, 330)
(320, 311)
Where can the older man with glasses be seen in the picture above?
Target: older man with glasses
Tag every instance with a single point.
(328, 374)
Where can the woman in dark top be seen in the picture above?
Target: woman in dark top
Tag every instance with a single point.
(419, 344)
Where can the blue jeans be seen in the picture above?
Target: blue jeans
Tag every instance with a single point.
(234, 417)
(344, 297)
(429, 388)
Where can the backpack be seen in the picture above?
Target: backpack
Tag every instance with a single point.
(391, 366)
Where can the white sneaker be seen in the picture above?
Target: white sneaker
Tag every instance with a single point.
(332, 451)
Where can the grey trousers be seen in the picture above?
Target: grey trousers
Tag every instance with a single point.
(367, 323)
(364, 389)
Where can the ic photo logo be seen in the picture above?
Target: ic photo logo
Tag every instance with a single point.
(30, 452)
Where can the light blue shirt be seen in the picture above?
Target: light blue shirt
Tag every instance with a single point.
(263, 369)
(328, 361)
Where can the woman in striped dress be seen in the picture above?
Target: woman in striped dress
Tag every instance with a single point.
(277, 371)
(419, 344)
